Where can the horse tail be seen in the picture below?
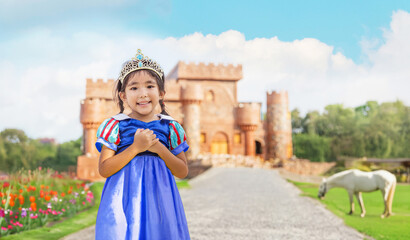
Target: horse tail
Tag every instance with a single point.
(390, 196)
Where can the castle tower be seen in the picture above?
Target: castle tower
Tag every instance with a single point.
(97, 106)
(279, 127)
(191, 97)
(248, 117)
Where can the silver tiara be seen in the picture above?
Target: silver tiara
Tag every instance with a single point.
(140, 62)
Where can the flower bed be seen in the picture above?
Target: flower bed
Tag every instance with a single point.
(33, 198)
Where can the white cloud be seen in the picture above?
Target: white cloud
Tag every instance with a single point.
(43, 73)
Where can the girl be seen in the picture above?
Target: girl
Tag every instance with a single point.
(140, 153)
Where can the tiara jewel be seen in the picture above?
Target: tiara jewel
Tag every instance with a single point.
(140, 62)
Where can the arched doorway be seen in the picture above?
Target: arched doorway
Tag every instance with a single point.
(258, 148)
(219, 143)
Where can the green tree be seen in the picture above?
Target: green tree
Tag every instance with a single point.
(386, 130)
(336, 121)
(371, 130)
(312, 147)
(309, 122)
(16, 149)
(296, 121)
(67, 154)
(42, 153)
(3, 154)
(404, 133)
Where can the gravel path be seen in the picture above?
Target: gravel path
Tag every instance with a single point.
(251, 203)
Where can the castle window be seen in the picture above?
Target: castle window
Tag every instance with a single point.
(203, 138)
(210, 96)
(237, 138)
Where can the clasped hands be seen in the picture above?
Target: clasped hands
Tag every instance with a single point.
(145, 139)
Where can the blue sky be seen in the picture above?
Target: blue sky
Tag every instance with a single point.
(321, 52)
(342, 24)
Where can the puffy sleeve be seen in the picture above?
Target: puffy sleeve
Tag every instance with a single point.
(177, 138)
(108, 134)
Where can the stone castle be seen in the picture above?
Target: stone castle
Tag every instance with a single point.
(203, 98)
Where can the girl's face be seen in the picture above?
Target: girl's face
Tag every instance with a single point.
(142, 95)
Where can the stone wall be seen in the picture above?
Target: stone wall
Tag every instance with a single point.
(227, 160)
(306, 167)
(297, 166)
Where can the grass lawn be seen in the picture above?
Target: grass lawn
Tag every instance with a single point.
(67, 226)
(396, 226)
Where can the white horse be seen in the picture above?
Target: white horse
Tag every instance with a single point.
(356, 182)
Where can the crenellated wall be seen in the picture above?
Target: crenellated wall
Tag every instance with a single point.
(99, 89)
(203, 71)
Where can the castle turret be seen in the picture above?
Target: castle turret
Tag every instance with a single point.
(279, 128)
(248, 118)
(96, 107)
(191, 97)
(92, 111)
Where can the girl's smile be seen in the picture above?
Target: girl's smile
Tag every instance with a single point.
(143, 103)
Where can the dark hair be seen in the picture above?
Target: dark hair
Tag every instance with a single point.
(120, 87)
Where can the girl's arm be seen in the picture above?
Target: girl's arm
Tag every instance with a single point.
(111, 163)
(177, 164)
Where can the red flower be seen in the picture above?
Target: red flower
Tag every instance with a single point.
(6, 184)
(33, 206)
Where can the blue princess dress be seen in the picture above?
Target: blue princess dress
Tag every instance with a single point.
(141, 201)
